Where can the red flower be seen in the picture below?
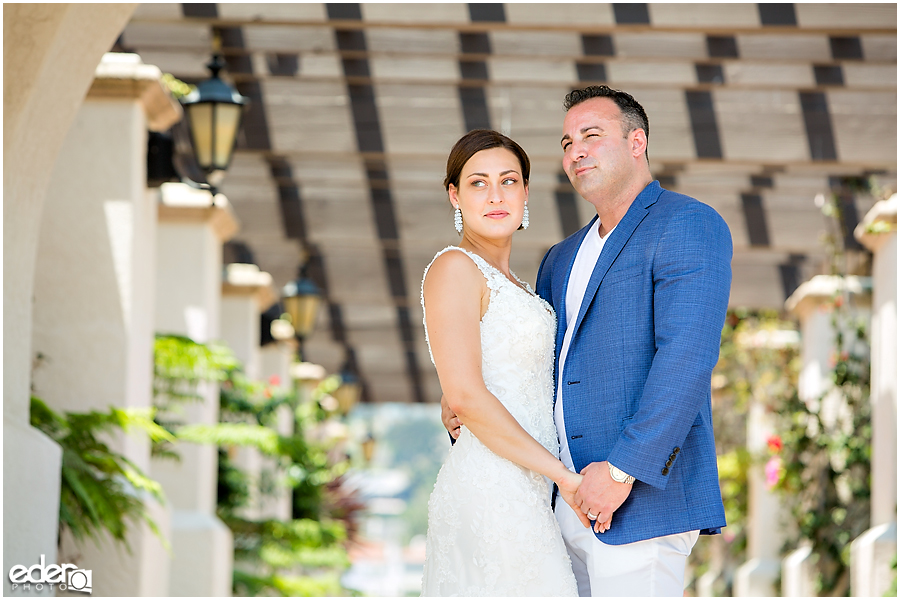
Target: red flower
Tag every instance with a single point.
(839, 301)
(775, 444)
(274, 380)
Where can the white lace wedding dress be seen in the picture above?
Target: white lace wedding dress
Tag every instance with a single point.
(491, 531)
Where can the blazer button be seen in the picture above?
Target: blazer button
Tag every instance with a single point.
(676, 450)
(668, 463)
(665, 471)
(671, 457)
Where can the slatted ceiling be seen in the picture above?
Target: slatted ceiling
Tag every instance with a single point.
(536, 43)
(669, 45)
(760, 125)
(252, 11)
(802, 231)
(839, 16)
(670, 125)
(529, 116)
(858, 118)
(879, 47)
(812, 47)
(561, 14)
(417, 119)
(713, 15)
(414, 59)
(416, 13)
(760, 285)
(414, 68)
(418, 42)
(629, 73)
(748, 73)
(289, 38)
(876, 76)
(508, 70)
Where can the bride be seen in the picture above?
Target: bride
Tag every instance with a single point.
(491, 530)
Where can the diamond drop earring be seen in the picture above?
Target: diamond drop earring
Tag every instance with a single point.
(525, 217)
(457, 220)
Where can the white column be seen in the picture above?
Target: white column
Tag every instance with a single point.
(871, 553)
(246, 293)
(811, 303)
(758, 575)
(93, 291)
(188, 301)
(765, 522)
(50, 54)
(276, 360)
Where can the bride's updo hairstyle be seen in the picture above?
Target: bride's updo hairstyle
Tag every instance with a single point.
(476, 141)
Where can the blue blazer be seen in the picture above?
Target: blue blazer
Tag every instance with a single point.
(636, 384)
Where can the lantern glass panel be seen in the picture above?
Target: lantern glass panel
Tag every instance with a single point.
(303, 311)
(227, 121)
(201, 115)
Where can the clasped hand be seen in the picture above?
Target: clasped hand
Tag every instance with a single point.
(592, 492)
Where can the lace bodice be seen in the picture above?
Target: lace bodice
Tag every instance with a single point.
(517, 340)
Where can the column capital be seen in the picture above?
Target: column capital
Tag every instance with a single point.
(822, 289)
(879, 221)
(123, 75)
(180, 203)
(247, 280)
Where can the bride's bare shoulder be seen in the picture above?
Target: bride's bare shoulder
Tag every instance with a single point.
(454, 269)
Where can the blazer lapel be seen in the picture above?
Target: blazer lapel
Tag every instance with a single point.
(561, 281)
(616, 242)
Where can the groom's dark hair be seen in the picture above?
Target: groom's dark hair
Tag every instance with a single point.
(633, 115)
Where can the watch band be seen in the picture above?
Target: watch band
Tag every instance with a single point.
(619, 475)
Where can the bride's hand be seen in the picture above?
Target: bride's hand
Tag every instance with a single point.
(568, 485)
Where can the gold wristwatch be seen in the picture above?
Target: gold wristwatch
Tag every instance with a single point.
(619, 475)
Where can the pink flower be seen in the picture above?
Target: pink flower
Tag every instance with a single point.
(274, 380)
(773, 472)
(775, 444)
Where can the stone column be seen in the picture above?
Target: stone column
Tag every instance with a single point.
(50, 54)
(246, 293)
(93, 292)
(190, 234)
(872, 552)
(811, 303)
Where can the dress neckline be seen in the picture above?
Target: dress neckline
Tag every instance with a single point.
(521, 284)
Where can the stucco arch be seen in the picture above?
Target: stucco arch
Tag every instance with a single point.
(50, 53)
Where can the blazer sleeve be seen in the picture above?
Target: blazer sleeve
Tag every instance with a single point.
(691, 286)
(542, 284)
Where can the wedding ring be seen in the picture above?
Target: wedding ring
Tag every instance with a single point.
(592, 516)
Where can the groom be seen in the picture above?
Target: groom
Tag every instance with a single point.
(640, 295)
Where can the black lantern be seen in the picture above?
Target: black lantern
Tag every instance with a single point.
(214, 112)
(301, 299)
(350, 390)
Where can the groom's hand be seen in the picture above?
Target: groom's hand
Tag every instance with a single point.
(451, 421)
(599, 494)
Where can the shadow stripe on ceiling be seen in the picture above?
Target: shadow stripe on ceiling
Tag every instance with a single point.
(367, 123)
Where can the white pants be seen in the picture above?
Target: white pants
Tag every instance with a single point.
(653, 567)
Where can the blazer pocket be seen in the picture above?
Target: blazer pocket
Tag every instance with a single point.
(623, 274)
